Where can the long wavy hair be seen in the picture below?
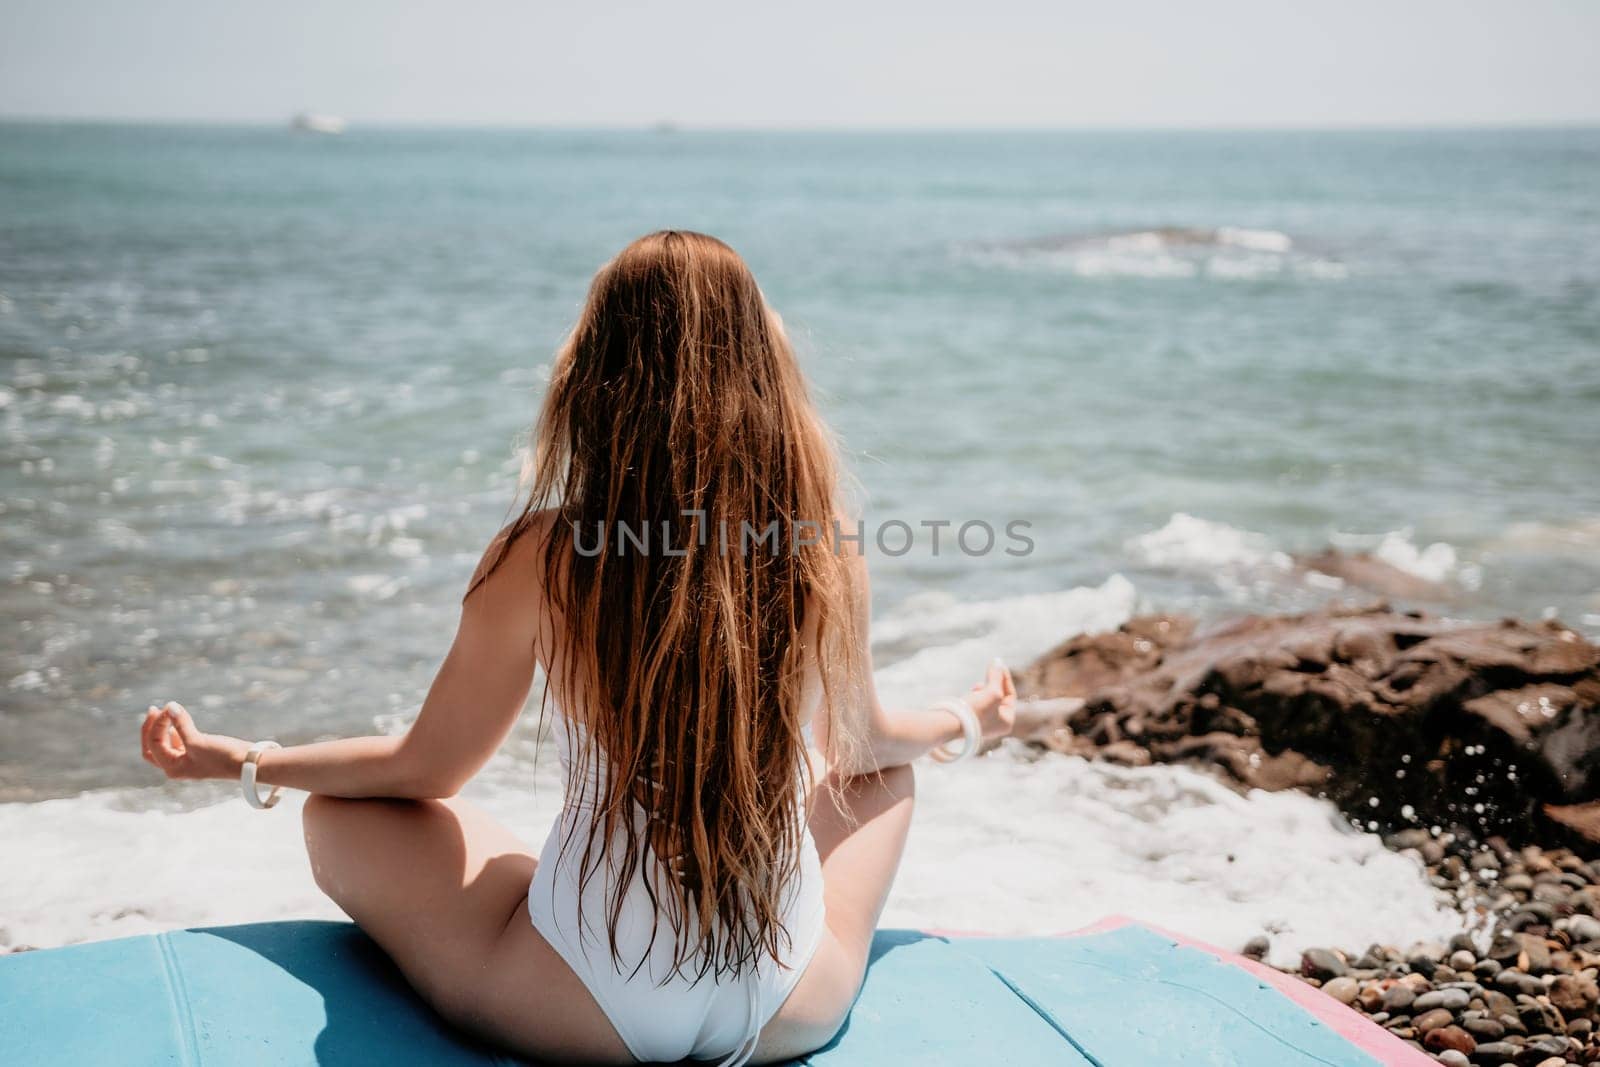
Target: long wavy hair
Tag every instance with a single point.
(677, 429)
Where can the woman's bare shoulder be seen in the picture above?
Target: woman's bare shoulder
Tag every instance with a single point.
(515, 555)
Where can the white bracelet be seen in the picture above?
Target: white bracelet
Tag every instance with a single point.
(247, 777)
(971, 732)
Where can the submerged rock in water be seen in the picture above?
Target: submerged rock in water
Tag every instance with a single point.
(1366, 571)
(1401, 718)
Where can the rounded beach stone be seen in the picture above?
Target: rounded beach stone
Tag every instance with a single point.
(1432, 1020)
(1321, 963)
(1450, 999)
(1573, 994)
(1583, 928)
(1398, 998)
(1449, 1037)
(1451, 1058)
(1343, 989)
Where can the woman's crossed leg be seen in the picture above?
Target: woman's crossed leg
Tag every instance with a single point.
(442, 888)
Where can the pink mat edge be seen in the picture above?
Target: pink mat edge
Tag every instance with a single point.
(1348, 1023)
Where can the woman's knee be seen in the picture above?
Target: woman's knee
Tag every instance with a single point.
(335, 828)
(322, 816)
(319, 819)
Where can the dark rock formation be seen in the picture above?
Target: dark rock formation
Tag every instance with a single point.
(1401, 718)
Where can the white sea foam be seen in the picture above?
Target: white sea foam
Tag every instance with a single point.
(955, 641)
(1011, 846)
(1188, 543)
(1437, 562)
(1226, 253)
(1195, 544)
(1255, 240)
(1013, 842)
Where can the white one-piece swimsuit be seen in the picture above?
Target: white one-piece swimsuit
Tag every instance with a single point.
(661, 1014)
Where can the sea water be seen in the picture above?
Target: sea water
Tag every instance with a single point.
(262, 397)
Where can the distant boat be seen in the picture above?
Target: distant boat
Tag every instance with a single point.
(310, 122)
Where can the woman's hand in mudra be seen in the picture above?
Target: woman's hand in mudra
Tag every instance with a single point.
(994, 701)
(173, 744)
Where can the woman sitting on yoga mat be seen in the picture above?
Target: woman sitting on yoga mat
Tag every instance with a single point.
(683, 576)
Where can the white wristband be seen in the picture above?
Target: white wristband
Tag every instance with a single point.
(247, 777)
(971, 733)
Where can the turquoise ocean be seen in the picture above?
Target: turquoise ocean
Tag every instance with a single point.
(262, 393)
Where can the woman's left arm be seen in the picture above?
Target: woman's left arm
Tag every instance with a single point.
(475, 699)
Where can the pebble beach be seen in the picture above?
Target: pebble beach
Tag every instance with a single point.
(1519, 988)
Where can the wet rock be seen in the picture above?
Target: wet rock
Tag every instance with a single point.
(1534, 956)
(1540, 1016)
(1504, 948)
(1497, 1003)
(1578, 825)
(1449, 1037)
(1365, 705)
(1574, 994)
(1432, 1020)
(1495, 1052)
(1257, 947)
(1484, 861)
(1321, 964)
(1449, 999)
(1398, 998)
(1519, 983)
(1542, 1048)
(1366, 571)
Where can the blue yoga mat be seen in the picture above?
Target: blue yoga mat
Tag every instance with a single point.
(322, 993)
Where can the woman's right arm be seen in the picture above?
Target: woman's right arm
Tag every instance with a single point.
(890, 738)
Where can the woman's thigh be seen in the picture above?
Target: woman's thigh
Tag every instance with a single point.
(860, 827)
(443, 889)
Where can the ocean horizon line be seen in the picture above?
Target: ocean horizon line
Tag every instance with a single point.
(667, 126)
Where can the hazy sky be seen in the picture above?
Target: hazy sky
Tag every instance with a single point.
(808, 62)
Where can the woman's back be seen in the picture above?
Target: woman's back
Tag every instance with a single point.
(683, 492)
